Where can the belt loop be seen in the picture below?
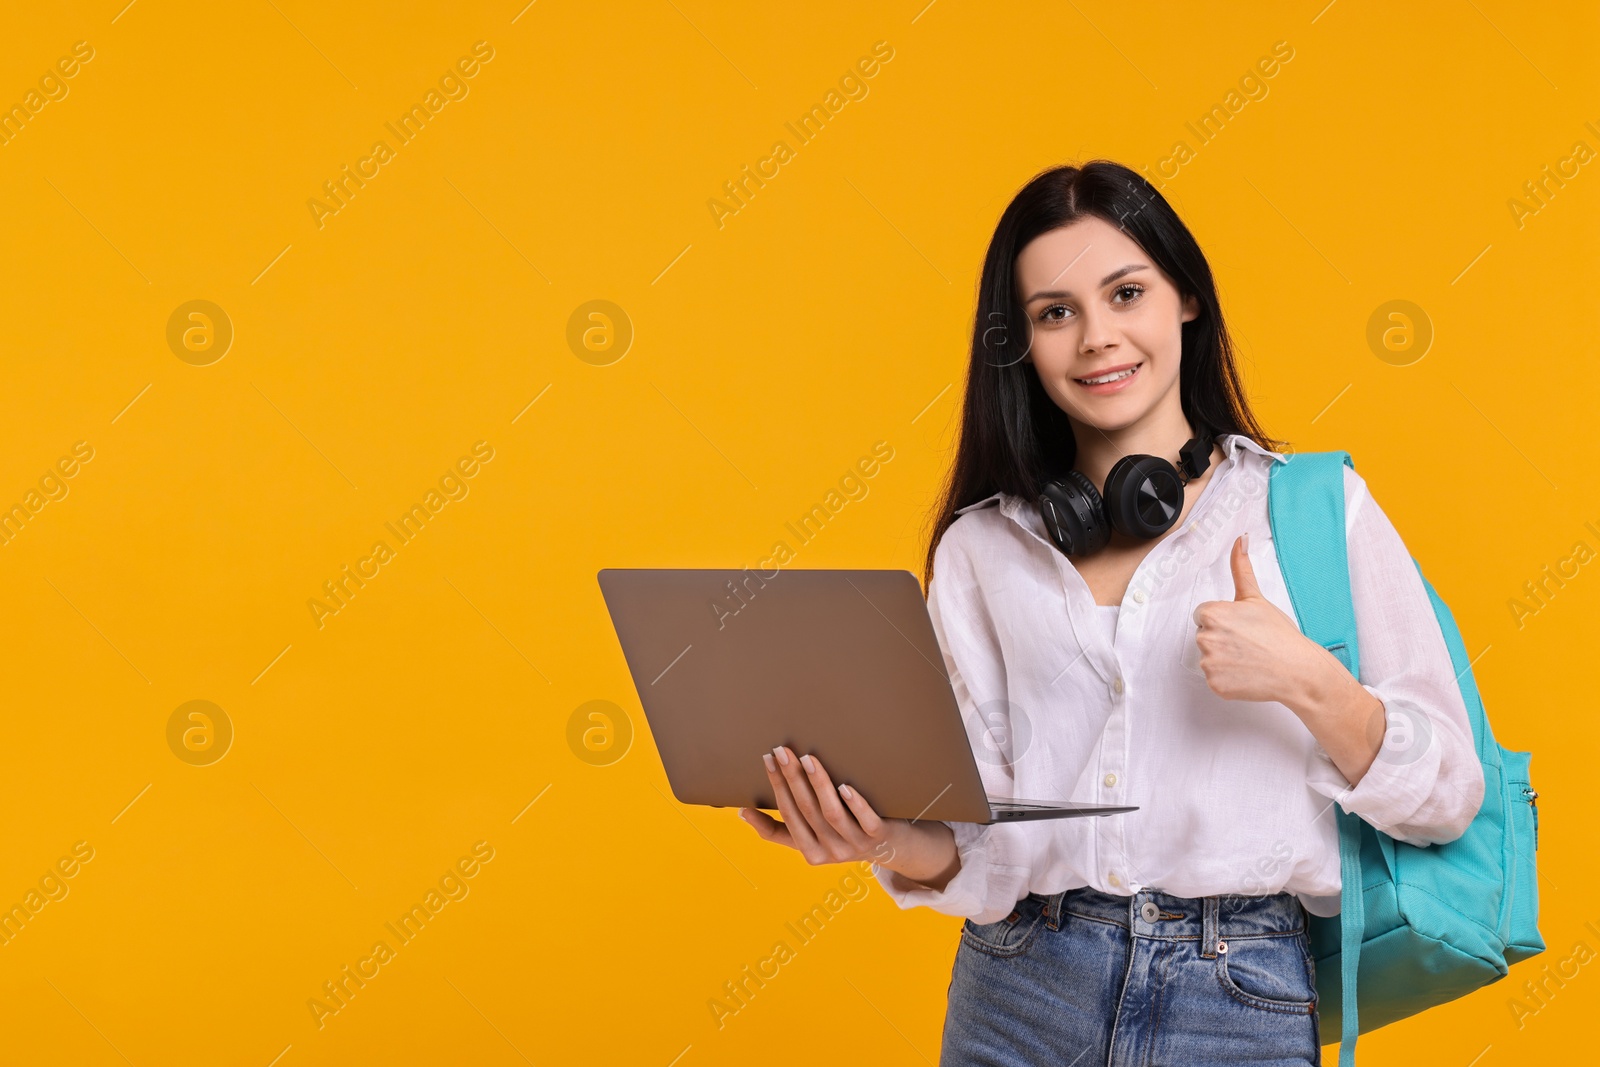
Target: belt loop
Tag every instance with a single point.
(1209, 909)
(1052, 910)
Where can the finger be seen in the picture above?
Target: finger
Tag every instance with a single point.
(805, 798)
(883, 849)
(766, 827)
(839, 817)
(1244, 576)
(866, 818)
(799, 829)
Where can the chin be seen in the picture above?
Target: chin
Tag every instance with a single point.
(1104, 413)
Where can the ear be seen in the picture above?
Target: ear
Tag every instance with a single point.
(1191, 309)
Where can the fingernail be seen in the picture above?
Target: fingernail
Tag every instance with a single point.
(741, 813)
(783, 756)
(1247, 542)
(808, 763)
(846, 792)
(766, 757)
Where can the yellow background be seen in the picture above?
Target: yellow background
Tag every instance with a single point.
(769, 354)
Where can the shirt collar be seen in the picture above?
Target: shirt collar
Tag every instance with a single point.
(1231, 443)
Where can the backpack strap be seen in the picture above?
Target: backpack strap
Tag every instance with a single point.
(1305, 507)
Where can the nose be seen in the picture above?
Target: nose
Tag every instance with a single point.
(1099, 331)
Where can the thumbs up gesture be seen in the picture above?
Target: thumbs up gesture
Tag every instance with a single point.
(1249, 649)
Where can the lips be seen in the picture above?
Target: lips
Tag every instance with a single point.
(1121, 376)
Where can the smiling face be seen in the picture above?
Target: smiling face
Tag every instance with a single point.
(1098, 305)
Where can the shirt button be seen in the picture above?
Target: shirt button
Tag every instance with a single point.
(1138, 596)
(1111, 779)
(1113, 879)
(1116, 684)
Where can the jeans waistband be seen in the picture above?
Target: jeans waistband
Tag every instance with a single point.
(1153, 914)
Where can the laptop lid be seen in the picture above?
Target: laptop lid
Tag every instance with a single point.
(843, 664)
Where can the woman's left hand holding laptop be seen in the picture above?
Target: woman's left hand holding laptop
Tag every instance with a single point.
(829, 824)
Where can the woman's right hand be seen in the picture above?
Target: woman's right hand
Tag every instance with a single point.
(828, 824)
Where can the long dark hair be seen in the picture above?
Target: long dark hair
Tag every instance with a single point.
(1014, 439)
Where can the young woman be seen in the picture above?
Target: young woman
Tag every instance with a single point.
(1163, 671)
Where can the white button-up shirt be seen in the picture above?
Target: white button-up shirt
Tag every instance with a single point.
(1066, 700)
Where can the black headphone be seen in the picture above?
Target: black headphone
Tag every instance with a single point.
(1143, 498)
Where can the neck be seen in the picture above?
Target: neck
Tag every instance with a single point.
(1099, 450)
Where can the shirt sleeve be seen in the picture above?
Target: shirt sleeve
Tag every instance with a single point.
(1426, 784)
(995, 858)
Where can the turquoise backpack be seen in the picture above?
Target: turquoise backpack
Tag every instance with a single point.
(1418, 926)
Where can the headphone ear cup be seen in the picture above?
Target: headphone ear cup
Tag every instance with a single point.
(1144, 496)
(1074, 515)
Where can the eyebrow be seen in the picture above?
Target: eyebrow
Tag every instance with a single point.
(1107, 280)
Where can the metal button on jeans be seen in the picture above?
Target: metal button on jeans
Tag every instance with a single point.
(1149, 912)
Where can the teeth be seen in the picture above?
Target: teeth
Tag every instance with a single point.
(1108, 377)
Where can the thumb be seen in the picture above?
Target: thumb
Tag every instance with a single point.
(1244, 577)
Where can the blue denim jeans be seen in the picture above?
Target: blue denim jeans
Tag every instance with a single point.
(1086, 978)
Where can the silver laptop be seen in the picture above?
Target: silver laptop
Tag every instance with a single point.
(843, 664)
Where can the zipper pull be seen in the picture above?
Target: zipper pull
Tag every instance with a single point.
(1532, 795)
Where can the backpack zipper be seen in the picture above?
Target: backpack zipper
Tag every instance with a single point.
(1532, 795)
